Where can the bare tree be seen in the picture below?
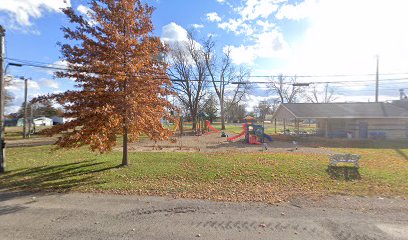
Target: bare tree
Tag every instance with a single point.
(264, 108)
(285, 89)
(229, 82)
(188, 71)
(8, 98)
(326, 95)
(210, 107)
(234, 112)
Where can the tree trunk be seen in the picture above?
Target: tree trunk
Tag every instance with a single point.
(222, 116)
(194, 119)
(125, 147)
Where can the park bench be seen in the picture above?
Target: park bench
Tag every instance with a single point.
(346, 158)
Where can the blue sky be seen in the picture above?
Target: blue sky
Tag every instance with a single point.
(301, 37)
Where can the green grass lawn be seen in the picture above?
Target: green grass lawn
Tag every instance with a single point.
(16, 133)
(218, 176)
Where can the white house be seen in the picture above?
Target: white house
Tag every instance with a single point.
(42, 121)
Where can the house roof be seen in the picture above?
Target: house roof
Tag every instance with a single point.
(340, 110)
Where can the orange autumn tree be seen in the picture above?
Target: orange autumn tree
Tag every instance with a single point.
(121, 84)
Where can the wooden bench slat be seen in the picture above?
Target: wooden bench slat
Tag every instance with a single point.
(346, 158)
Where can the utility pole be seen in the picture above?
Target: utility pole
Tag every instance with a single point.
(376, 80)
(30, 120)
(325, 93)
(25, 109)
(2, 92)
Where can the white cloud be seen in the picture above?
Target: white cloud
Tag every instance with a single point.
(35, 88)
(220, 1)
(12, 109)
(197, 26)
(213, 17)
(253, 13)
(60, 64)
(231, 25)
(266, 45)
(242, 54)
(237, 26)
(176, 37)
(253, 101)
(266, 25)
(173, 32)
(49, 83)
(343, 37)
(297, 11)
(17, 85)
(22, 12)
(83, 9)
(341, 43)
(254, 9)
(17, 90)
(87, 12)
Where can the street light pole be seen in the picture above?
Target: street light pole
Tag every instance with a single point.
(2, 98)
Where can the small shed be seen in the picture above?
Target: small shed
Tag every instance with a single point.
(356, 120)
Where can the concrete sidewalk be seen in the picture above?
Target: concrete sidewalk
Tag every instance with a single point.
(100, 216)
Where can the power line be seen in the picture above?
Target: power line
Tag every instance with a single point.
(89, 72)
(251, 76)
(60, 67)
(327, 75)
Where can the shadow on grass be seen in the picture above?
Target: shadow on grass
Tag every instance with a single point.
(402, 154)
(343, 173)
(61, 178)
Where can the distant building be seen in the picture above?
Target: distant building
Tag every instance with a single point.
(60, 120)
(40, 121)
(20, 122)
(401, 103)
(10, 122)
(353, 120)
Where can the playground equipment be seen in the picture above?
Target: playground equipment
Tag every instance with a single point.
(210, 127)
(244, 132)
(201, 124)
(176, 124)
(254, 134)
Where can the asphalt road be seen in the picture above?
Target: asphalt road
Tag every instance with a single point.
(98, 216)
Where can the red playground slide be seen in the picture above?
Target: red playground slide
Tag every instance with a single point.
(210, 126)
(239, 135)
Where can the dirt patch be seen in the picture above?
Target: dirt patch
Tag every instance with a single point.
(31, 142)
(215, 143)
(137, 148)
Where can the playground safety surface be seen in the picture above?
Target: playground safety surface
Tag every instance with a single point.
(213, 142)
